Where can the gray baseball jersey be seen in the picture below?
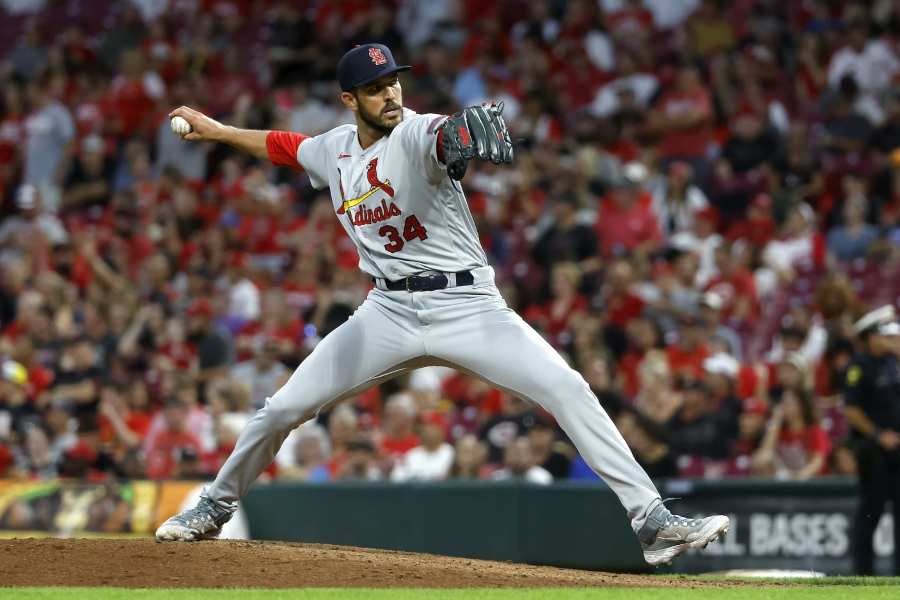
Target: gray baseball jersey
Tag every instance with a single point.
(407, 217)
(394, 199)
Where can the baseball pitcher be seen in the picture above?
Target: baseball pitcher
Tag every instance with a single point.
(394, 184)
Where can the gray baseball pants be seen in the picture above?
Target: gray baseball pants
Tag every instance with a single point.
(469, 328)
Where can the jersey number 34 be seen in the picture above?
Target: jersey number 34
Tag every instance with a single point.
(412, 229)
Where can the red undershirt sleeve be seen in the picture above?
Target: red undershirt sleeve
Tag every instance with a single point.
(440, 146)
(282, 147)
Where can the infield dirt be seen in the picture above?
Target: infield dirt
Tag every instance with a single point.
(145, 563)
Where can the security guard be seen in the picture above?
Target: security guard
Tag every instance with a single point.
(872, 398)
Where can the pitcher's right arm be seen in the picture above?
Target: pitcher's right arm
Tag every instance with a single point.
(280, 147)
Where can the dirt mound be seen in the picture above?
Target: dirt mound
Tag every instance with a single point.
(145, 563)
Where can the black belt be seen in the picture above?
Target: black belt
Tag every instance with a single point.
(427, 283)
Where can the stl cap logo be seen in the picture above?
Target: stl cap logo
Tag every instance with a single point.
(377, 56)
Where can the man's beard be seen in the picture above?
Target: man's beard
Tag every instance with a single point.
(377, 122)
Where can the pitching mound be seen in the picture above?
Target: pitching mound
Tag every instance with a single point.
(145, 563)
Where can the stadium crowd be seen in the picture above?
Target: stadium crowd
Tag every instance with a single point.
(706, 195)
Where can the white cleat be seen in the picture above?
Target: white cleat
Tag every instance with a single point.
(666, 536)
(202, 522)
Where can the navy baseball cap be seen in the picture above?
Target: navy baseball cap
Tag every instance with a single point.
(366, 63)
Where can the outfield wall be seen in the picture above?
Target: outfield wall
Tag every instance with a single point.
(774, 525)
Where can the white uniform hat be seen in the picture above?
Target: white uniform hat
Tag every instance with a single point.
(889, 329)
(879, 317)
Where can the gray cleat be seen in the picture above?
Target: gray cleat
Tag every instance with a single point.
(665, 536)
(202, 522)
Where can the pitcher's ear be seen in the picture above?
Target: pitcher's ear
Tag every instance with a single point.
(349, 100)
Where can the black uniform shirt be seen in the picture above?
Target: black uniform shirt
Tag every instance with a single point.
(873, 384)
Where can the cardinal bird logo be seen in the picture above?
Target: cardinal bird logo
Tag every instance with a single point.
(377, 56)
(377, 185)
(360, 214)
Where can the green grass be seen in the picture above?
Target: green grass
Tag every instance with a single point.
(835, 581)
(816, 592)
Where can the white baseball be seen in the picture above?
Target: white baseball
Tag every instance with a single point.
(180, 126)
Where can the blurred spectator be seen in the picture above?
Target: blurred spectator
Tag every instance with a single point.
(647, 441)
(721, 371)
(432, 460)
(182, 391)
(642, 338)
(630, 88)
(343, 427)
(703, 423)
(626, 222)
(567, 238)
(263, 373)
(50, 132)
(734, 285)
(88, 185)
(757, 226)
(886, 138)
(279, 328)
(683, 118)
(555, 318)
(701, 240)
(751, 144)
(794, 446)
(30, 55)
(165, 448)
(211, 346)
(657, 398)
(676, 200)
(511, 423)
(124, 423)
(847, 129)
(134, 93)
(712, 317)
(361, 462)
(687, 355)
(14, 406)
(870, 62)
(619, 297)
(709, 30)
(550, 453)
(852, 239)
(309, 457)
(75, 381)
(399, 421)
(797, 244)
(800, 338)
(35, 459)
(61, 429)
(519, 464)
(751, 428)
(243, 295)
(469, 457)
(32, 225)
